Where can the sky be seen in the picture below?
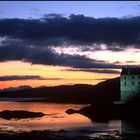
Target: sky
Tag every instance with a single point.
(25, 9)
(46, 43)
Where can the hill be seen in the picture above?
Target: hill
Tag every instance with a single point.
(108, 90)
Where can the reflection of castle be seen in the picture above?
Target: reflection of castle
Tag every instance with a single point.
(130, 84)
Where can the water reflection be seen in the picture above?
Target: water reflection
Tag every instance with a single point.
(80, 123)
(130, 123)
(55, 117)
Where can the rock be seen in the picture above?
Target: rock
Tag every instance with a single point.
(71, 111)
(19, 114)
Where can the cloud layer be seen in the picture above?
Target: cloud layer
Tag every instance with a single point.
(18, 77)
(107, 71)
(57, 29)
(32, 40)
(46, 56)
(25, 77)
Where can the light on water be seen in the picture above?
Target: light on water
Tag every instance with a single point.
(55, 119)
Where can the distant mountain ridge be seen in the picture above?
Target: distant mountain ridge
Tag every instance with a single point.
(108, 90)
(23, 87)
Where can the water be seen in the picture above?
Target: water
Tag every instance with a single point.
(56, 119)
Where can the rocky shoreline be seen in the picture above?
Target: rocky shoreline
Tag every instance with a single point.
(56, 135)
(64, 135)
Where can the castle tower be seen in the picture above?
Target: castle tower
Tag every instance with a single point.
(130, 84)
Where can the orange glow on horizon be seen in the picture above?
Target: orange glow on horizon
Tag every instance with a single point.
(64, 77)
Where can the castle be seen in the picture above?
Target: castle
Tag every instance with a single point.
(130, 84)
(130, 91)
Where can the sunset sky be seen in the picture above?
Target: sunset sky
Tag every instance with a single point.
(58, 43)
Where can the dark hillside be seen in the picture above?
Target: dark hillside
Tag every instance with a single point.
(81, 93)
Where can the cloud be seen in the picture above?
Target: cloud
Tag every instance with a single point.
(17, 50)
(131, 61)
(32, 40)
(106, 71)
(23, 77)
(56, 29)
(54, 79)
(52, 16)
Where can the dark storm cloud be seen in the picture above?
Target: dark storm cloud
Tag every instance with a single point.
(17, 77)
(32, 40)
(15, 50)
(106, 71)
(75, 29)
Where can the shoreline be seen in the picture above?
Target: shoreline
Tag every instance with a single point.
(43, 100)
(65, 135)
(58, 135)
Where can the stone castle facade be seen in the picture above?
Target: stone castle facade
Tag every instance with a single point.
(130, 84)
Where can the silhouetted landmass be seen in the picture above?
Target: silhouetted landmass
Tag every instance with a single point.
(104, 112)
(57, 135)
(106, 91)
(99, 112)
(66, 135)
(19, 114)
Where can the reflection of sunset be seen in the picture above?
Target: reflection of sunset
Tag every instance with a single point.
(55, 117)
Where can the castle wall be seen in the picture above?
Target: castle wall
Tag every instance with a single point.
(130, 87)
